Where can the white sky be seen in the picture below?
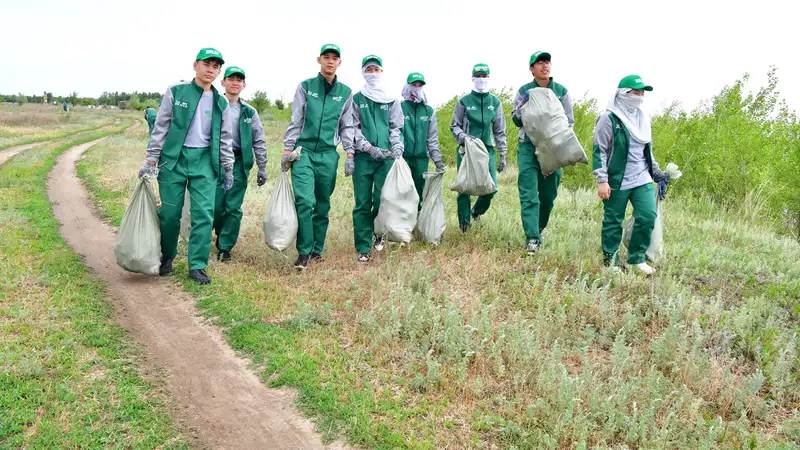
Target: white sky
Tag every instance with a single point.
(688, 50)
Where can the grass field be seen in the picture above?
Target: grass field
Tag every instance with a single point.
(473, 345)
(69, 378)
(32, 123)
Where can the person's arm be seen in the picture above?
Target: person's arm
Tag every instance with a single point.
(346, 128)
(160, 129)
(226, 156)
(360, 143)
(499, 130)
(516, 113)
(259, 143)
(396, 122)
(457, 126)
(298, 119)
(566, 102)
(433, 140)
(602, 145)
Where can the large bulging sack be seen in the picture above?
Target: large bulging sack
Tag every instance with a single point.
(432, 223)
(138, 245)
(546, 124)
(280, 221)
(655, 252)
(397, 215)
(473, 177)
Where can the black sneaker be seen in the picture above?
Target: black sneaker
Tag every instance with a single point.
(380, 242)
(475, 217)
(316, 257)
(166, 265)
(301, 263)
(224, 256)
(200, 276)
(363, 258)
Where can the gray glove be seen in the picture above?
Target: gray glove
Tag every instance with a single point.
(439, 166)
(286, 164)
(501, 166)
(379, 154)
(228, 182)
(349, 166)
(397, 153)
(262, 176)
(148, 168)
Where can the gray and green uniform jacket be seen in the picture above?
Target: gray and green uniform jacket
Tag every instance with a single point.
(561, 93)
(481, 116)
(610, 152)
(150, 114)
(382, 115)
(420, 132)
(311, 126)
(248, 138)
(173, 122)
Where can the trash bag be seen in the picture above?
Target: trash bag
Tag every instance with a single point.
(280, 221)
(473, 177)
(431, 223)
(138, 245)
(546, 124)
(655, 252)
(397, 215)
(186, 217)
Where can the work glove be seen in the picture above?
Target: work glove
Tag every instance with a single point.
(379, 154)
(439, 166)
(501, 166)
(262, 176)
(397, 153)
(228, 181)
(286, 163)
(662, 181)
(147, 168)
(349, 166)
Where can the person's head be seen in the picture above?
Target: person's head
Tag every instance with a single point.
(540, 65)
(233, 81)
(416, 79)
(480, 78)
(634, 85)
(480, 70)
(330, 58)
(208, 65)
(372, 64)
(414, 90)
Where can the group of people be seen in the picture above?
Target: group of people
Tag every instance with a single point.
(207, 142)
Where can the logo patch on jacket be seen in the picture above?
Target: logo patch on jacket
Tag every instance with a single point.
(384, 107)
(424, 118)
(248, 120)
(313, 94)
(337, 98)
(490, 108)
(181, 104)
(362, 106)
(472, 108)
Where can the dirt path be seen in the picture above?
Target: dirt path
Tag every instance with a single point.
(217, 397)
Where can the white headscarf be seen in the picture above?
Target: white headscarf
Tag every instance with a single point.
(481, 85)
(628, 107)
(414, 94)
(373, 87)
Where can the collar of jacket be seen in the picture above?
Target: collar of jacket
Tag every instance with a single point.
(220, 100)
(328, 86)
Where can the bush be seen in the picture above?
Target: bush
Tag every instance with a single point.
(260, 101)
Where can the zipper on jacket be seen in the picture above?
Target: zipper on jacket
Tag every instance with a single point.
(483, 123)
(321, 116)
(416, 125)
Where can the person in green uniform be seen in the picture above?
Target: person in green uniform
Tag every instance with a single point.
(625, 169)
(150, 116)
(420, 132)
(377, 121)
(479, 115)
(191, 148)
(248, 141)
(321, 118)
(537, 193)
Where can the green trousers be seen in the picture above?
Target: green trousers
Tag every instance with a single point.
(418, 165)
(537, 193)
(228, 208)
(192, 171)
(368, 179)
(151, 124)
(313, 182)
(484, 201)
(643, 200)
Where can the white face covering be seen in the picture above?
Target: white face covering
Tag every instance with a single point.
(373, 88)
(373, 80)
(628, 107)
(414, 94)
(481, 84)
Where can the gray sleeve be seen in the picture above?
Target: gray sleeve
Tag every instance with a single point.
(457, 126)
(298, 118)
(433, 140)
(601, 148)
(500, 130)
(259, 143)
(396, 122)
(360, 143)
(566, 102)
(163, 121)
(346, 127)
(656, 167)
(226, 157)
(515, 113)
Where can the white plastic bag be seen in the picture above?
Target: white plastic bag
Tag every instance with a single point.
(186, 217)
(397, 215)
(546, 124)
(280, 221)
(138, 245)
(655, 252)
(432, 223)
(473, 177)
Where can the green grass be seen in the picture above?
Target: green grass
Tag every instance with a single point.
(69, 377)
(35, 123)
(472, 345)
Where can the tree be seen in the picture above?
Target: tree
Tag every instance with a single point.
(73, 98)
(22, 98)
(260, 101)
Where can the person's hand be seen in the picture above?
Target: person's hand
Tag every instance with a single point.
(228, 183)
(148, 168)
(439, 166)
(349, 165)
(286, 163)
(379, 154)
(663, 182)
(501, 166)
(604, 191)
(262, 176)
(397, 153)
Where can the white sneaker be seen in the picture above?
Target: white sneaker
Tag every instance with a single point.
(645, 268)
(379, 243)
(532, 247)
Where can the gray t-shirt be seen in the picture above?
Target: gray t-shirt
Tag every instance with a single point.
(636, 173)
(236, 111)
(199, 134)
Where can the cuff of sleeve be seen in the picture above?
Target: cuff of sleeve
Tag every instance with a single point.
(152, 160)
(601, 179)
(228, 167)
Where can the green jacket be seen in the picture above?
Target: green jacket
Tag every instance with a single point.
(251, 136)
(376, 124)
(321, 116)
(610, 151)
(481, 116)
(519, 99)
(177, 110)
(420, 132)
(150, 114)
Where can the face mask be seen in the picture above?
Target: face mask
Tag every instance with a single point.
(416, 93)
(481, 84)
(372, 79)
(630, 100)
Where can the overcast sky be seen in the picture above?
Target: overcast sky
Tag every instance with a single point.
(688, 50)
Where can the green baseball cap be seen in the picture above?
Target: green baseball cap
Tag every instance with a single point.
(369, 58)
(539, 56)
(330, 48)
(633, 82)
(232, 70)
(209, 53)
(415, 76)
(480, 68)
